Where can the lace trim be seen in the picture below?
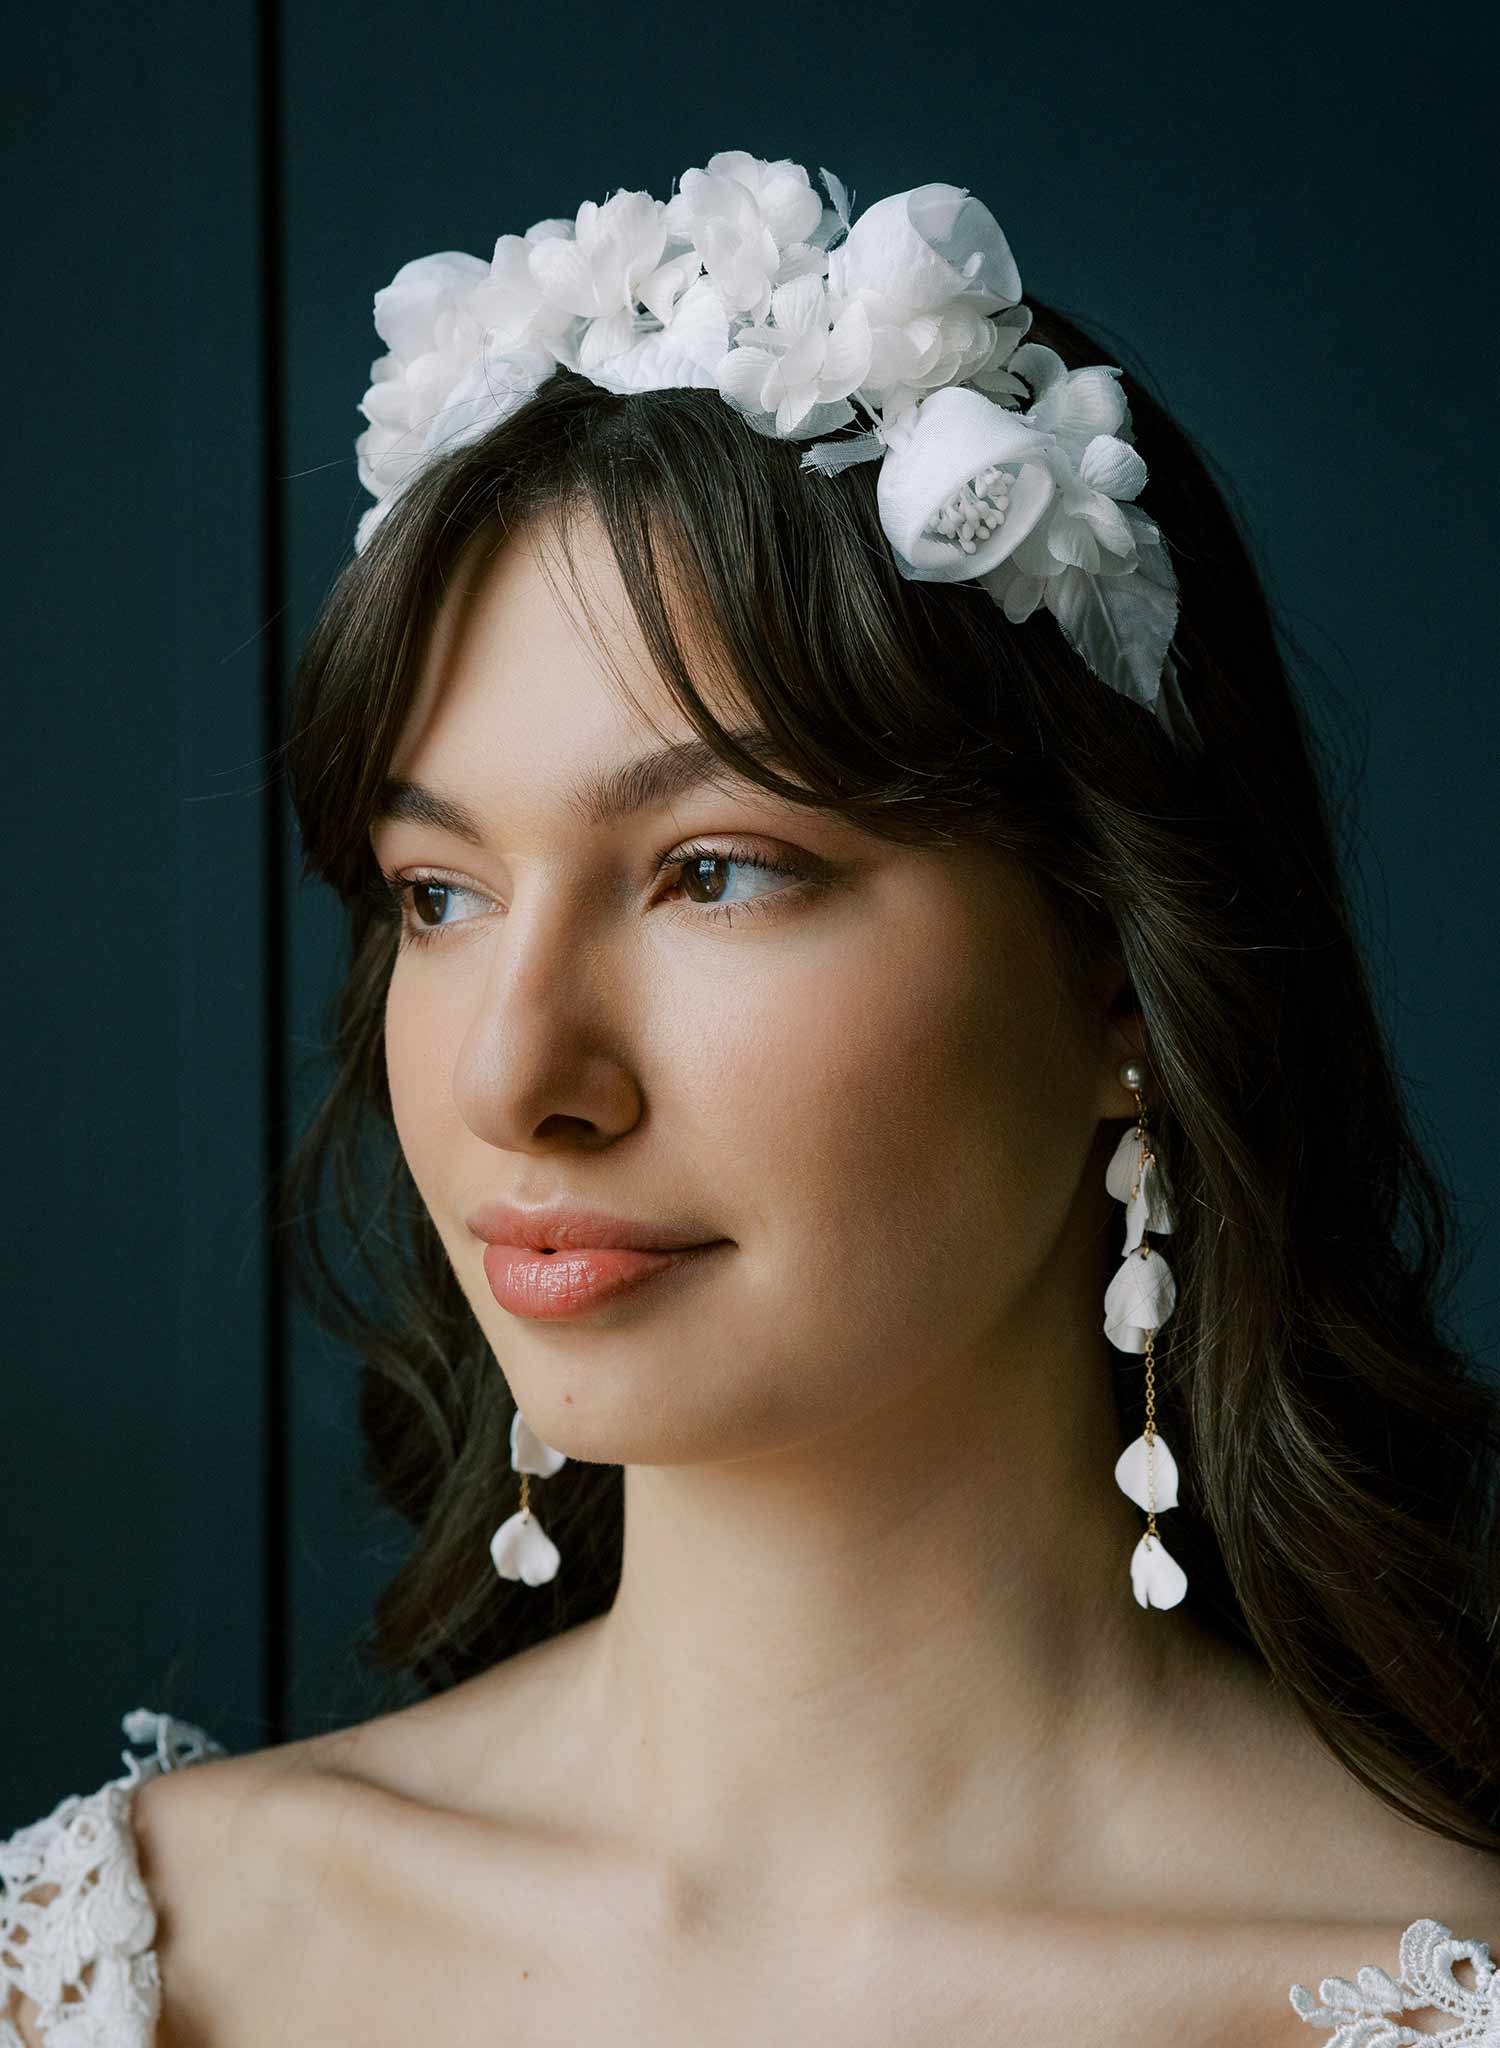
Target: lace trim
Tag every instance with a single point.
(1364, 2013)
(85, 1957)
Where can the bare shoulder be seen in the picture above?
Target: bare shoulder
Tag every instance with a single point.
(238, 1856)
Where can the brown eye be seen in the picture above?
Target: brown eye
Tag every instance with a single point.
(702, 871)
(425, 905)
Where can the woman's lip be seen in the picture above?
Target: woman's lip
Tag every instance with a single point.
(549, 1286)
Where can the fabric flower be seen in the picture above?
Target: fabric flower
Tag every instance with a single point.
(927, 265)
(688, 349)
(600, 271)
(1096, 561)
(749, 221)
(493, 386)
(962, 484)
(422, 315)
(510, 301)
(801, 370)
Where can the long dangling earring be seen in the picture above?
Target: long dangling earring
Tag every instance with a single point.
(521, 1548)
(1136, 1304)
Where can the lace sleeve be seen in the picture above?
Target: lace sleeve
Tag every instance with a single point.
(1366, 2013)
(77, 1926)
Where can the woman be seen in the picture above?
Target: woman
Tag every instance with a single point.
(918, 1609)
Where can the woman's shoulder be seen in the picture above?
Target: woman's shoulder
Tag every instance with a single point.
(78, 1925)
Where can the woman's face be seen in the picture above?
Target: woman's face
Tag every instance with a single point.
(870, 1076)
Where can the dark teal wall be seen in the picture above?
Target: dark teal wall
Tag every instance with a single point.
(1286, 218)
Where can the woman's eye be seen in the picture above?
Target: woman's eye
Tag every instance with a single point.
(702, 877)
(715, 879)
(427, 900)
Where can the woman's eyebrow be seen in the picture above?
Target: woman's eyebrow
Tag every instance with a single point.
(646, 783)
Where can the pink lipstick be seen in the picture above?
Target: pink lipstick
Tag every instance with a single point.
(550, 1286)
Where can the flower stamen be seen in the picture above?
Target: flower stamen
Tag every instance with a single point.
(976, 509)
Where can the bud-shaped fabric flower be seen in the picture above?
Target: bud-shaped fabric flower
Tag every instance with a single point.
(961, 486)
(918, 250)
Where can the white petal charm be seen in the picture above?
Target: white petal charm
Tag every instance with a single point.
(521, 1549)
(1139, 1298)
(1132, 1474)
(1157, 1579)
(529, 1454)
(1143, 1192)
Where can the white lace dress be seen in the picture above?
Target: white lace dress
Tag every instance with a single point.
(84, 1949)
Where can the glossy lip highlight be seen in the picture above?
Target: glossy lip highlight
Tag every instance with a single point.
(572, 1227)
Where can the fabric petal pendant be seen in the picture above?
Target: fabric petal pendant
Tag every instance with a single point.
(1139, 1298)
(1157, 1579)
(1124, 1164)
(1154, 1195)
(521, 1549)
(1121, 1175)
(1132, 1473)
(529, 1454)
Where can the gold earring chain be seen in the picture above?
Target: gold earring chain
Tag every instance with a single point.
(1147, 1156)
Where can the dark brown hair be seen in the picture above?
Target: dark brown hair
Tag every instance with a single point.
(1338, 1451)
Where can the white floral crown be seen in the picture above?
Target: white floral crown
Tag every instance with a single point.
(998, 464)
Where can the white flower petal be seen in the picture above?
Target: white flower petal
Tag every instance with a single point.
(846, 356)
(1113, 467)
(605, 337)
(660, 289)
(1133, 1473)
(1042, 367)
(794, 408)
(521, 1549)
(1140, 1297)
(1156, 1578)
(495, 385)
(1071, 541)
(1124, 1166)
(528, 1453)
(801, 306)
(1107, 522)
(1081, 404)
(564, 271)
(1013, 590)
(743, 375)
(406, 309)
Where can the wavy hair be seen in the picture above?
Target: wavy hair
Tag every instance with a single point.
(1338, 1514)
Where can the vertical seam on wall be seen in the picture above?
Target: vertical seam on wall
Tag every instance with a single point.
(276, 823)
